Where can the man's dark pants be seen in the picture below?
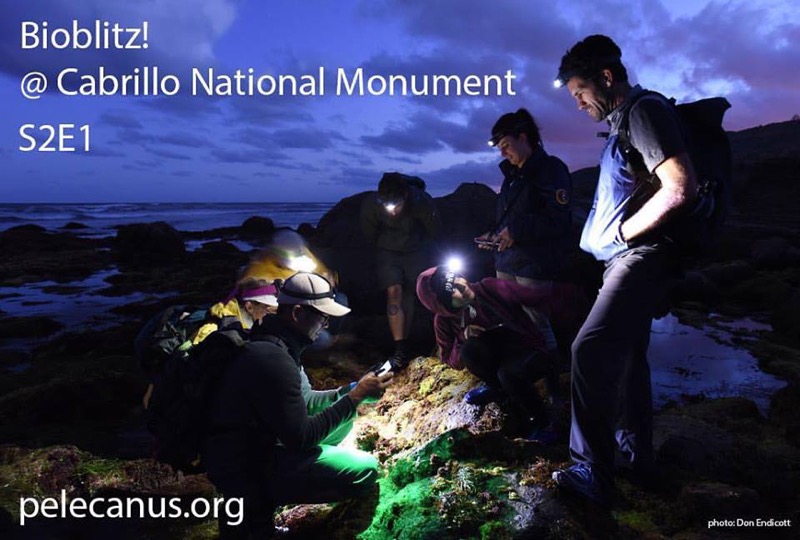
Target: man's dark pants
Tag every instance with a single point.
(611, 393)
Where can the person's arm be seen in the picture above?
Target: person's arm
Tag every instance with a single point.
(446, 338)
(656, 133)
(678, 190)
(549, 212)
(316, 400)
(273, 387)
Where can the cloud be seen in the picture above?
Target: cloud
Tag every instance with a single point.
(307, 137)
(188, 140)
(411, 137)
(161, 152)
(227, 155)
(122, 119)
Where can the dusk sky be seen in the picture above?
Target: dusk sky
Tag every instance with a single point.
(327, 145)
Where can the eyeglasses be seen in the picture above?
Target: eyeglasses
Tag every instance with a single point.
(324, 317)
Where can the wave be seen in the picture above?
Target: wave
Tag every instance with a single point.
(102, 219)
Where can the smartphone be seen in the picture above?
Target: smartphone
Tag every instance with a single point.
(386, 366)
(489, 243)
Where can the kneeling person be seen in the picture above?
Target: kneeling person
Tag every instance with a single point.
(486, 328)
(272, 439)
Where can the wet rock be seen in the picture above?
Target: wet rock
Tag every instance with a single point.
(786, 317)
(306, 230)
(218, 249)
(726, 274)
(31, 254)
(147, 243)
(74, 226)
(28, 327)
(728, 441)
(774, 253)
(762, 291)
(257, 227)
(783, 412)
(697, 287)
(93, 399)
(696, 446)
(720, 500)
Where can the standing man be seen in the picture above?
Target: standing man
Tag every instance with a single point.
(402, 221)
(271, 438)
(611, 395)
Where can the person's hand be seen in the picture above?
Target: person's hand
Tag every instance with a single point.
(504, 239)
(370, 386)
(486, 241)
(473, 331)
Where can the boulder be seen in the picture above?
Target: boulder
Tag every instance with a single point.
(786, 316)
(719, 500)
(774, 253)
(149, 243)
(74, 226)
(762, 291)
(28, 327)
(257, 228)
(784, 405)
(727, 274)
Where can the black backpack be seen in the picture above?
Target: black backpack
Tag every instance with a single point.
(179, 409)
(695, 231)
(169, 333)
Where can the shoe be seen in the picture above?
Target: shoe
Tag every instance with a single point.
(484, 394)
(399, 361)
(546, 436)
(581, 480)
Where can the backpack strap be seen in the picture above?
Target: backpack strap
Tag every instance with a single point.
(634, 162)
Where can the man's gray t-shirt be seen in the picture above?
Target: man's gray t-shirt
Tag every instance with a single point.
(655, 131)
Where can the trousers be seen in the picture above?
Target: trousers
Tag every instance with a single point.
(610, 389)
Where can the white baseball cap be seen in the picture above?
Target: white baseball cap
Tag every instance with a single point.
(308, 289)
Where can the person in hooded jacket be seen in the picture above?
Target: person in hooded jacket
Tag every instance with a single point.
(486, 328)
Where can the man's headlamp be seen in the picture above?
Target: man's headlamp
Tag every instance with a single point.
(390, 205)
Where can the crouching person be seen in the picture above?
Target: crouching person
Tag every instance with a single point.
(486, 327)
(272, 439)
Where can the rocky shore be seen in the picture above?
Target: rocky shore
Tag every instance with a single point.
(71, 419)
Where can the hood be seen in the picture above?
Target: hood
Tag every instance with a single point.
(428, 297)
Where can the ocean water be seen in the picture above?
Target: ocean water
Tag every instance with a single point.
(101, 219)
